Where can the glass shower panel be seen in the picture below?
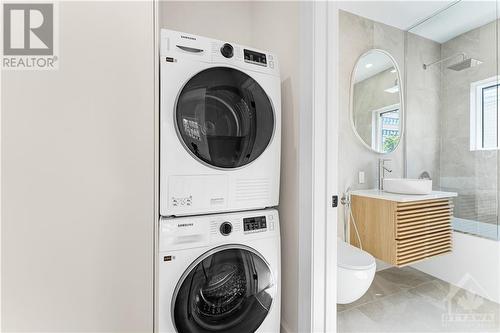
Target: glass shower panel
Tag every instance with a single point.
(452, 106)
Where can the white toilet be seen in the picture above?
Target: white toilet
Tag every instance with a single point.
(355, 272)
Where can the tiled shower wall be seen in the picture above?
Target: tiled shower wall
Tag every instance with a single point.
(422, 108)
(438, 121)
(473, 174)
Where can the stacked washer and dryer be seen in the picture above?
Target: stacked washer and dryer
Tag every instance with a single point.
(220, 114)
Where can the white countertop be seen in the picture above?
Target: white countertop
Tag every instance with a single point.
(377, 194)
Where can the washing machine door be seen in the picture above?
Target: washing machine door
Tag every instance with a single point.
(229, 289)
(224, 118)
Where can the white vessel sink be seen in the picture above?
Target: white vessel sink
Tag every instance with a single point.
(407, 186)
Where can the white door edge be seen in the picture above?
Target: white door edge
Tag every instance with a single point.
(318, 151)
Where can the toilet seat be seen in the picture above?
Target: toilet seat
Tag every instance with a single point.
(350, 257)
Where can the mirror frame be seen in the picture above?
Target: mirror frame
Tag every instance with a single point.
(401, 101)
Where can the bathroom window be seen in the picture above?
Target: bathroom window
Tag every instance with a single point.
(485, 123)
(385, 125)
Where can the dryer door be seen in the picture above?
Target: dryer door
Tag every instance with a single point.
(228, 289)
(224, 118)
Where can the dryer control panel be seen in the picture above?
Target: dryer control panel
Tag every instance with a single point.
(178, 47)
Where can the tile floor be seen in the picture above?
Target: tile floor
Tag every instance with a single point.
(407, 300)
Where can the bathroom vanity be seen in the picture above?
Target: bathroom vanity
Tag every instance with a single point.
(402, 229)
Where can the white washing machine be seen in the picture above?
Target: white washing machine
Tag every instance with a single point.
(220, 273)
(220, 129)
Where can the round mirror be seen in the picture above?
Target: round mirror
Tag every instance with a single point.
(377, 102)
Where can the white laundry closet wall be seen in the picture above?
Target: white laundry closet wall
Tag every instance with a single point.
(272, 26)
(78, 177)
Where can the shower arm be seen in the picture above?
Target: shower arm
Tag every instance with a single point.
(464, 56)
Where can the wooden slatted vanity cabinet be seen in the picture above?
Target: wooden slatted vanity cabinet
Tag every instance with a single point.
(402, 229)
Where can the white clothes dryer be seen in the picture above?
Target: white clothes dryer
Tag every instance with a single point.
(220, 132)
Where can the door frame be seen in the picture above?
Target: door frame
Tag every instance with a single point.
(318, 160)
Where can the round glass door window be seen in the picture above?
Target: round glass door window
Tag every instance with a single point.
(224, 117)
(230, 290)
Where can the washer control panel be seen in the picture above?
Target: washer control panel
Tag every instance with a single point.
(188, 232)
(254, 57)
(254, 224)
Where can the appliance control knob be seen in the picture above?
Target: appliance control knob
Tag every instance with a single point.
(227, 50)
(226, 228)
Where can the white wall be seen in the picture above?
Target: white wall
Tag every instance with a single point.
(280, 33)
(272, 26)
(78, 178)
(225, 20)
